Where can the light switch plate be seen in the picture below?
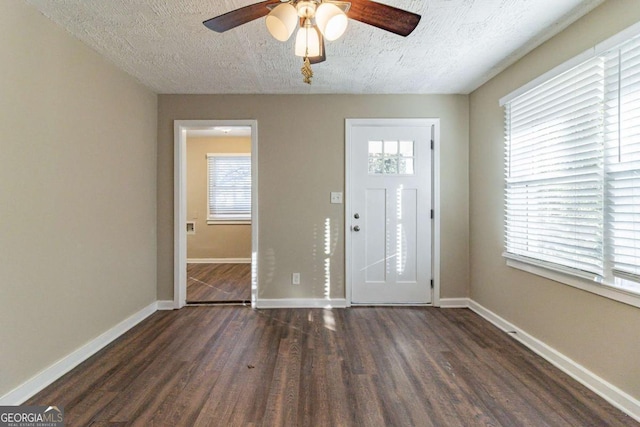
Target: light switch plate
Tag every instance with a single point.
(336, 197)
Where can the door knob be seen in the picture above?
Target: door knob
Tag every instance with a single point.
(356, 228)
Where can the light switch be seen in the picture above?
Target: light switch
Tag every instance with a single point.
(336, 197)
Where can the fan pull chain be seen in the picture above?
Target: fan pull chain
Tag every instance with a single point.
(307, 72)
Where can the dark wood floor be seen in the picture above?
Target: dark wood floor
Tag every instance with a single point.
(233, 366)
(218, 282)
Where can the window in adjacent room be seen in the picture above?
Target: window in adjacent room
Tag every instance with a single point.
(229, 187)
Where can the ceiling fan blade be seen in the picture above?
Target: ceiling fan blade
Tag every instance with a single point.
(238, 17)
(386, 17)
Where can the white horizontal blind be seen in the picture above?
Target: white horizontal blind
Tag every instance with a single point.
(229, 187)
(622, 141)
(554, 179)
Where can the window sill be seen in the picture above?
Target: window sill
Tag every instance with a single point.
(601, 289)
(228, 222)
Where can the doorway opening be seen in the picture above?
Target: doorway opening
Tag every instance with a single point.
(215, 215)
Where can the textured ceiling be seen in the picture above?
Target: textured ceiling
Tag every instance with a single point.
(458, 45)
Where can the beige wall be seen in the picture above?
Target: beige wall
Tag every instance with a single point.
(212, 240)
(77, 198)
(300, 161)
(594, 331)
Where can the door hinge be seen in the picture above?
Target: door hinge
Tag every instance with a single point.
(432, 144)
(432, 214)
(431, 283)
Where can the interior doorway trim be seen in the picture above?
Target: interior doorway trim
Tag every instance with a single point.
(180, 203)
(435, 194)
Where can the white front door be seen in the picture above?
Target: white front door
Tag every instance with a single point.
(390, 225)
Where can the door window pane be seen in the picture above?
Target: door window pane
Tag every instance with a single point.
(390, 166)
(375, 165)
(390, 148)
(406, 148)
(405, 166)
(375, 147)
(391, 158)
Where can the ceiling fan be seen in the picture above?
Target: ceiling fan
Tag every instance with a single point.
(317, 20)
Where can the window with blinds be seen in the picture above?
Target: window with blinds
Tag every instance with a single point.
(622, 162)
(229, 187)
(572, 191)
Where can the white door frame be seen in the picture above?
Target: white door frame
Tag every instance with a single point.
(435, 194)
(180, 203)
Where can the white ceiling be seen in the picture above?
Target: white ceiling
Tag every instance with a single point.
(458, 45)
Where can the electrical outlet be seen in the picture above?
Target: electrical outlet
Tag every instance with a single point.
(336, 197)
(295, 279)
(191, 227)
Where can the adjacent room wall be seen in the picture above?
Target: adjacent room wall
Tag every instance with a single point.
(77, 198)
(218, 241)
(300, 161)
(596, 332)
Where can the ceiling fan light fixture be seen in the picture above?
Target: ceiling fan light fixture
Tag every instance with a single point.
(306, 8)
(308, 41)
(282, 21)
(331, 21)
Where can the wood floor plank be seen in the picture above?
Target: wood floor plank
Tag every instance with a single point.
(223, 395)
(87, 408)
(263, 361)
(218, 282)
(481, 353)
(208, 364)
(383, 366)
(467, 363)
(527, 371)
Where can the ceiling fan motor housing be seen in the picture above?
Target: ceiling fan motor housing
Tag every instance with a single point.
(306, 8)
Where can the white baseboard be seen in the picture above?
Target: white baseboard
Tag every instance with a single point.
(606, 390)
(166, 305)
(454, 303)
(301, 303)
(37, 383)
(218, 260)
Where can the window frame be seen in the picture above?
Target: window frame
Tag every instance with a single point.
(587, 282)
(229, 219)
